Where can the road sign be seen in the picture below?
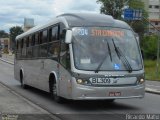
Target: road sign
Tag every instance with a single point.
(128, 14)
(132, 14)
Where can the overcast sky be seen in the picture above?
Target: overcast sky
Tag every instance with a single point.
(13, 12)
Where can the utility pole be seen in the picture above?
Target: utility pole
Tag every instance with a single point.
(158, 45)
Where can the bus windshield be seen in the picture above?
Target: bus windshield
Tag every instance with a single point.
(105, 48)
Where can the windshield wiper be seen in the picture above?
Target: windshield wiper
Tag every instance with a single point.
(109, 50)
(99, 66)
(122, 57)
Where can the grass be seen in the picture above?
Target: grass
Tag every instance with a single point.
(151, 70)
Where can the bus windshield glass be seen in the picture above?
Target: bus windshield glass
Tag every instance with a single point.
(105, 48)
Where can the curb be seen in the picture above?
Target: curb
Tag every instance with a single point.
(7, 61)
(154, 91)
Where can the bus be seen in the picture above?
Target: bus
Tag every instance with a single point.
(81, 56)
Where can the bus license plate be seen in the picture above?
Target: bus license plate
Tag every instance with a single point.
(102, 81)
(114, 94)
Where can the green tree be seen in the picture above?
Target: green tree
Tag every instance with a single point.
(3, 34)
(14, 31)
(114, 8)
(150, 47)
(111, 7)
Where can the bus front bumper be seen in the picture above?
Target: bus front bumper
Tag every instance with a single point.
(81, 92)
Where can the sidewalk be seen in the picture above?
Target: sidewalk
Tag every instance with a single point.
(16, 107)
(8, 57)
(153, 86)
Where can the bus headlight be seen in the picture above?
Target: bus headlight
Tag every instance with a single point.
(83, 82)
(79, 81)
(140, 81)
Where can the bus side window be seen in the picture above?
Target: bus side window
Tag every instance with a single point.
(43, 47)
(62, 32)
(21, 47)
(17, 45)
(33, 40)
(54, 46)
(27, 42)
(30, 41)
(22, 42)
(40, 37)
(36, 39)
(53, 33)
(24, 45)
(53, 50)
(36, 47)
(44, 36)
(29, 49)
(17, 49)
(65, 56)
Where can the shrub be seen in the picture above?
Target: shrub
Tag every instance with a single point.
(149, 46)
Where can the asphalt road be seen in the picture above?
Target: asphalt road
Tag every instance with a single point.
(83, 110)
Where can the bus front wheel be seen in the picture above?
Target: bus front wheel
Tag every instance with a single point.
(53, 90)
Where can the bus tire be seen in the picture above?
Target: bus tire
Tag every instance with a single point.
(22, 80)
(53, 89)
(110, 100)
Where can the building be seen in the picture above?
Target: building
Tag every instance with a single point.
(153, 9)
(5, 44)
(28, 24)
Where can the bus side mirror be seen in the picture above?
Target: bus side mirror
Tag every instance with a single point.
(68, 38)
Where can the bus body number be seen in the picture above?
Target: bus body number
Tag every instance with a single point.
(100, 80)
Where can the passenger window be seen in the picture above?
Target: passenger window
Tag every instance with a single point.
(65, 56)
(18, 52)
(30, 41)
(40, 38)
(36, 39)
(53, 33)
(22, 42)
(44, 38)
(33, 40)
(62, 32)
(53, 50)
(24, 48)
(27, 42)
(43, 50)
(36, 51)
(17, 45)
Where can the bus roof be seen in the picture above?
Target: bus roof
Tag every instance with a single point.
(92, 19)
(79, 20)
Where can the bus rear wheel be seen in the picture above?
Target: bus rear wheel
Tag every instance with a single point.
(22, 81)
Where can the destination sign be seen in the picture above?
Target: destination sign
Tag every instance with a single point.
(95, 32)
(110, 33)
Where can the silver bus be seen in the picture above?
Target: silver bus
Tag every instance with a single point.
(81, 56)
